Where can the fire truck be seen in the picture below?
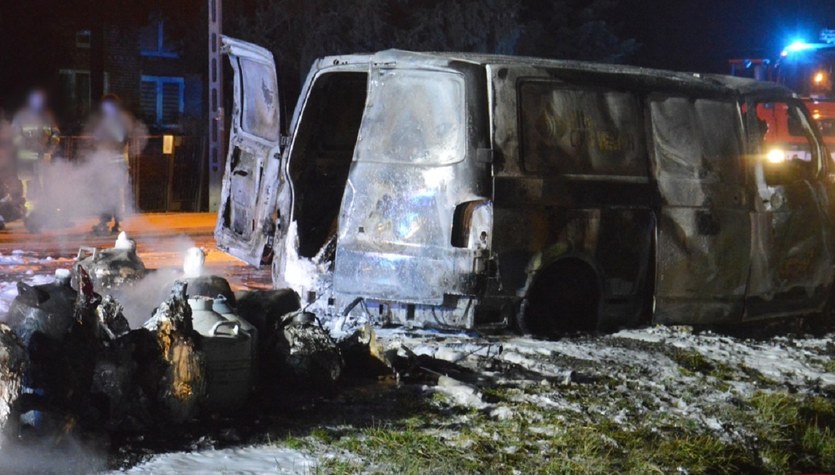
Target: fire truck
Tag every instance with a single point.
(807, 68)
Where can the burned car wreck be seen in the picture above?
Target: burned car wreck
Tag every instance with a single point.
(462, 190)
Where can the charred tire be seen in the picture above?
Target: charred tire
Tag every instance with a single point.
(564, 298)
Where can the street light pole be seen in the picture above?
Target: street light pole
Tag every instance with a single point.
(216, 126)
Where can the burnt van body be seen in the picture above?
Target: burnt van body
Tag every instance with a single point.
(466, 190)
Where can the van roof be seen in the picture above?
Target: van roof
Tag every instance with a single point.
(713, 83)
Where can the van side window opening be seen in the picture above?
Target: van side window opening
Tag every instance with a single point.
(787, 144)
(696, 142)
(581, 131)
(426, 127)
(258, 114)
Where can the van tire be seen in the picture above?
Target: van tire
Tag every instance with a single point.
(564, 298)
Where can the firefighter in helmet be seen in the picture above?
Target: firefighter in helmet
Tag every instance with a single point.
(111, 135)
(36, 137)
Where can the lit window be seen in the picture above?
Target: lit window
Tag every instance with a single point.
(153, 41)
(162, 100)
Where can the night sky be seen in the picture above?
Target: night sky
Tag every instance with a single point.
(701, 35)
(692, 35)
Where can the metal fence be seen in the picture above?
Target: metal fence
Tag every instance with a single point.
(167, 173)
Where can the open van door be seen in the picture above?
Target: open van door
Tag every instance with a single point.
(246, 221)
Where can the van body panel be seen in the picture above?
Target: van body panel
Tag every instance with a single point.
(543, 216)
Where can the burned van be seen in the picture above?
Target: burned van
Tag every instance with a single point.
(470, 190)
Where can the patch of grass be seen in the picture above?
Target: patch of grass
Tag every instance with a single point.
(756, 376)
(296, 443)
(558, 442)
(770, 432)
(336, 466)
(691, 361)
(796, 433)
(322, 434)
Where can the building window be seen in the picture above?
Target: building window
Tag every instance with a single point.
(76, 98)
(162, 100)
(82, 39)
(153, 41)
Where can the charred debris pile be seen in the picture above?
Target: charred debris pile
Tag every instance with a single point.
(70, 363)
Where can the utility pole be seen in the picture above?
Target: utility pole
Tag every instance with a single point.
(216, 126)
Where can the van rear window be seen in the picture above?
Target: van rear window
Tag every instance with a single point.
(581, 131)
(414, 117)
(259, 113)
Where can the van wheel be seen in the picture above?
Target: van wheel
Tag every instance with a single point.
(564, 298)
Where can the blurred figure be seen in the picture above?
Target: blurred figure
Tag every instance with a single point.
(111, 130)
(36, 137)
(12, 203)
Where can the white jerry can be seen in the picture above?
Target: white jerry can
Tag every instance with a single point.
(221, 306)
(229, 351)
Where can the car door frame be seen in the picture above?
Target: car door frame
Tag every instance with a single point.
(766, 297)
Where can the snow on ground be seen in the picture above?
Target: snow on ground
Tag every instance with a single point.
(661, 373)
(251, 460)
(789, 361)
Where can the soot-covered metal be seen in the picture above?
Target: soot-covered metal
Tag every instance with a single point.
(463, 190)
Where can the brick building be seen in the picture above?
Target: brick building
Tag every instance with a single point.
(160, 85)
(143, 67)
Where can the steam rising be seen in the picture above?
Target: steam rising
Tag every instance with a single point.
(88, 185)
(141, 298)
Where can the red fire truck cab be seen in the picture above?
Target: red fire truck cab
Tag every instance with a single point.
(807, 69)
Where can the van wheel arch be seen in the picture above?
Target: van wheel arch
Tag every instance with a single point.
(564, 296)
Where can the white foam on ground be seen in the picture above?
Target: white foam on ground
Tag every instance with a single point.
(265, 459)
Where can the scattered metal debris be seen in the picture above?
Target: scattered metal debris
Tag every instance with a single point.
(114, 267)
(307, 352)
